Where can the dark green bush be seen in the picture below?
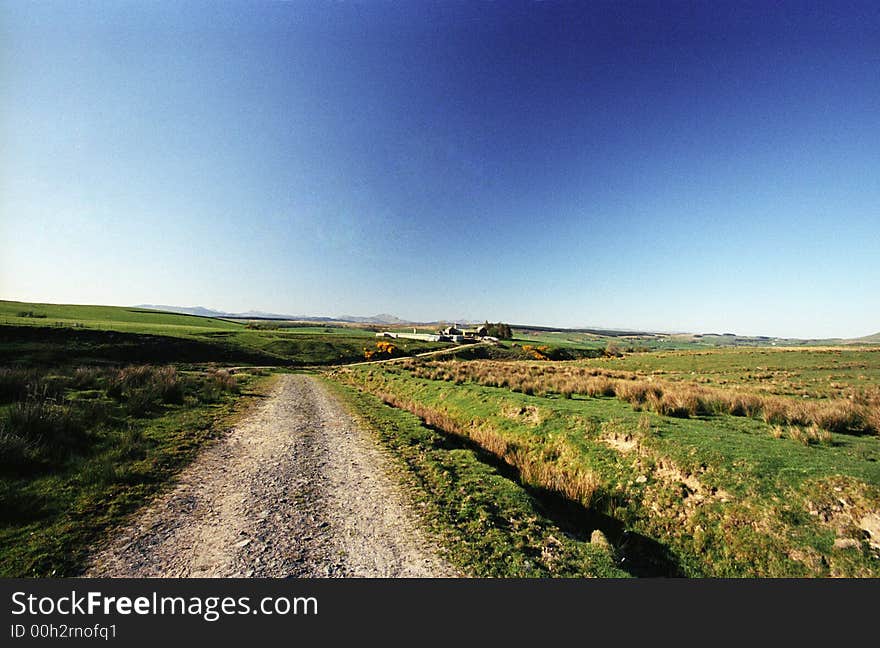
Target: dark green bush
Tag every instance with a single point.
(14, 383)
(51, 427)
(16, 452)
(144, 388)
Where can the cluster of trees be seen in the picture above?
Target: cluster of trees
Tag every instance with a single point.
(499, 330)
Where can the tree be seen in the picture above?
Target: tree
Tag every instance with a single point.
(499, 330)
(612, 349)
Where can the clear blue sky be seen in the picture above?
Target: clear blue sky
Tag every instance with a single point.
(672, 166)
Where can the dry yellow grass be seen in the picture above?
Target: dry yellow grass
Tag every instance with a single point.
(553, 465)
(857, 413)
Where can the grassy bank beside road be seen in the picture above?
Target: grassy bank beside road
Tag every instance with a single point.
(719, 495)
(82, 448)
(492, 525)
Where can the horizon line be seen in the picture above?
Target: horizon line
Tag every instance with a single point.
(341, 318)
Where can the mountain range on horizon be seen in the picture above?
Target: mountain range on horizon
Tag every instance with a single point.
(381, 318)
(389, 319)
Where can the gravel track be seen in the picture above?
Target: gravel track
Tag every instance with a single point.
(296, 490)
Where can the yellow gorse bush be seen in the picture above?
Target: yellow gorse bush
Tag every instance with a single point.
(538, 353)
(382, 348)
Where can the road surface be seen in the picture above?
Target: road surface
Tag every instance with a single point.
(296, 490)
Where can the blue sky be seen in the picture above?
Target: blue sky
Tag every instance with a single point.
(670, 166)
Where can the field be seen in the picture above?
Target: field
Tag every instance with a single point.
(80, 448)
(633, 341)
(553, 454)
(100, 406)
(51, 334)
(813, 372)
(729, 462)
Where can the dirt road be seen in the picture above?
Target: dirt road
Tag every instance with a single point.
(296, 490)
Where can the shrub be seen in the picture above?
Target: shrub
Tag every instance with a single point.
(536, 352)
(168, 385)
(612, 350)
(599, 386)
(743, 405)
(215, 384)
(50, 427)
(224, 380)
(499, 330)
(132, 443)
(16, 452)
(15, 382)
(382, 348)
(798, 434)
(144, 388)
(141, 402)
(841, 416)
(671, 404)
(87, 377)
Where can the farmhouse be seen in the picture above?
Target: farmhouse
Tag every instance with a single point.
(448, 334)
(429, 337)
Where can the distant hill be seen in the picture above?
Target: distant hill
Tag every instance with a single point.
(868, 339)
(381, 318)
(208, 312)
(605, 332)
(183, 310)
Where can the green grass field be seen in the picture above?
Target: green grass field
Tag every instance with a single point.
(100, 406)
(51, 334)
(110, 318)
(552, 454)
(82, 448)
(812, 372)
(718, 495)
(559, 339)
(631, 342)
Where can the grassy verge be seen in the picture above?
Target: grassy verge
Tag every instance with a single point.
(718, 495)
(491, 524)
(81, 449)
